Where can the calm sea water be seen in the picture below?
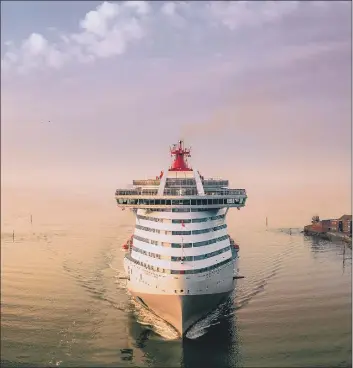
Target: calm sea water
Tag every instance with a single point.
(63, 303)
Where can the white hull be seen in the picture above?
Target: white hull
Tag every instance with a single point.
(181, 300)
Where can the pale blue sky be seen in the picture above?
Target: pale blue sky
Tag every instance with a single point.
(260, 90)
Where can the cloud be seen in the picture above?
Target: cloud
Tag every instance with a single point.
(9, 59)
(236, 14)
(104, 32)
(175, 12)
(172, 8)
(113, 27)
(96, 21)
(141, 7)
(34, 51)
(107, 30)
(169, 8)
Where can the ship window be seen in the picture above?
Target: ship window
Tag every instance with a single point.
(193, 202)
(186, 202)
(199, 201)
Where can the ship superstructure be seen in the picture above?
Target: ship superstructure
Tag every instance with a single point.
(181, 262)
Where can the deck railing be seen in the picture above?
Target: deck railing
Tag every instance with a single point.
(183, 181)
(146, 182)
(215, 183)
(178, 192)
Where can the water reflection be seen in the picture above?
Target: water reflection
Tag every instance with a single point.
(321, 245)
(218, 345)
(155, 350)
(336, 249)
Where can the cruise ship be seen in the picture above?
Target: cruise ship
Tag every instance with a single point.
(180, 262)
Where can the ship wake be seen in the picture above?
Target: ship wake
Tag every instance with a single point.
(148, 319)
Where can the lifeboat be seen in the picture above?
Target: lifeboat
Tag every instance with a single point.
(128, 245)
(234, 244)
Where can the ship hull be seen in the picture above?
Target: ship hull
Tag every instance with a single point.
(181, 311)
(193, 298)
(181, 275)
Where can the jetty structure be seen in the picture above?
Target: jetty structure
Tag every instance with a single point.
(180, 262)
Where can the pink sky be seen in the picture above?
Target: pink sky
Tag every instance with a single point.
(261, 92)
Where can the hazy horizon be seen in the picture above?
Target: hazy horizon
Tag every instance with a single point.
(260, 90)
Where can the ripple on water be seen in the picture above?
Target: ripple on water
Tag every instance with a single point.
(63, 304)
